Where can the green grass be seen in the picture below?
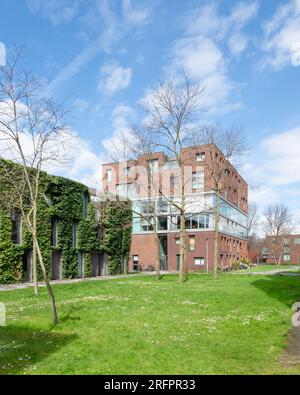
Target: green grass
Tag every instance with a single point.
(265, 268)
(236, 324)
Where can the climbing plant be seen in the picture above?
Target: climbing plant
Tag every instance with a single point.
(117, 223)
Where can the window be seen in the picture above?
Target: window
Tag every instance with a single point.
(16, 227)
(54, 236)
(126, 171)
(194, 222)
(85, 204)
(297, 240)
(74, 234)
(286, 241)
(147, 224)
(265, 250)
(192, 243)
(200, 156)
(286, 250)
(135, 259)
(173, 181)
(286, 257)
(153, 165)
(109, 175)
(227, 172)
(199, 261)
(177, 240)
(162, 223)
(197, 179)
(162, 206)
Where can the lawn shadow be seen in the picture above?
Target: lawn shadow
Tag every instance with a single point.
(22, 347)
(285, 289)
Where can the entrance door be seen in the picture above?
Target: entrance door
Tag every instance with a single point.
(163, 252)
(56, 266)
(178, 262)
(27, 266)
(80, 265)
(99, 265)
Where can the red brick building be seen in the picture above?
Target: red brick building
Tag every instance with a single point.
(283, 249)
(131, 179)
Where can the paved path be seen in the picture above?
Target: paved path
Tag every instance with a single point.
(291, 355)
(283, 272)
(11, 287)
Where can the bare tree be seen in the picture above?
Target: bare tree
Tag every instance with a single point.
(226, 148)
(32, 134)
(170, 110)
(252, 218)
(278, 222)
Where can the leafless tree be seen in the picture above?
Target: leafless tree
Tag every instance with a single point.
(33, 135)
(252, 218)
(170, 110)
(227, 147)
(278, 222)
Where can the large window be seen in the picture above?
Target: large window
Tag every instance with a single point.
(74, 233)
(192, 243)
(109, 175)
(54, 232)
(162, 223)
(16, 227)
(200, 156)
(85, 204)
(297, 240)
(197, 180)
(199, 261)
(153, 165)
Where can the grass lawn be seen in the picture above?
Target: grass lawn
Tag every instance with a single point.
(236, 324)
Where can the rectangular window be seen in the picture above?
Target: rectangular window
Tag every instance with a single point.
(265, 250)
(54, 236)
(199, 261)
(197, 179)
(74, 234)
(16, 227)
(297, 240)
(109, 175)
(286, 257)
(177, 240)
(135, 259)
(200, 156)
(192, 243)
(85, 204)
(162, 223)
(126, 171)
(286, 241)
(173, 181)
(153, 165)
(286, 250)
(194, 222)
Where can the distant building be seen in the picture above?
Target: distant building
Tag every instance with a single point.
(129, 179)
(283, 249)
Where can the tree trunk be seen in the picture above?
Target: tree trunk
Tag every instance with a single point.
(216, 234)
(34, 271)
(49, 288)
(34, 268)
(157, 255)
(182, 229)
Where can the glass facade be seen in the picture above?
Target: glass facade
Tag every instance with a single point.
(199, 216)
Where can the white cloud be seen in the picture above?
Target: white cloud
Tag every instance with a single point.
(58, 11)
(2, 54)
(80, 105)
(122, 117)
(281, 42)
(199, 52)
(109, 29)
(282, 155)
(114, 78)
(136, 16)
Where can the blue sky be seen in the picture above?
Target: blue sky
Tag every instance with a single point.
(103, 56)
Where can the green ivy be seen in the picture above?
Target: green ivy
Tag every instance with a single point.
(63, 199)
(117, 224)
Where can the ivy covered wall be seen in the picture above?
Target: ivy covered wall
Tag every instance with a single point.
(70, 203)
